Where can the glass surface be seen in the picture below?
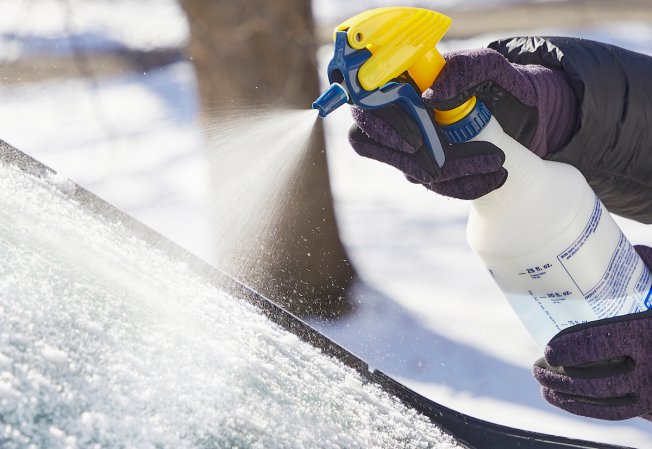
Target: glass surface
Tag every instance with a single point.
(108, 342)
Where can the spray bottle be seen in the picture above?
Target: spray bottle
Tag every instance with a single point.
(551, 246)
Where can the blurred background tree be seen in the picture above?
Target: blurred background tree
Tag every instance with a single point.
(261, 52)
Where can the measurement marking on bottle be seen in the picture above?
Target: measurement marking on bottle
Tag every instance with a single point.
(537, 271)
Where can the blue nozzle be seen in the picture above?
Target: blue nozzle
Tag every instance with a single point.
(332, 98)
(346, 88)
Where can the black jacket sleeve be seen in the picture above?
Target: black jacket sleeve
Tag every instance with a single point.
(612, 145)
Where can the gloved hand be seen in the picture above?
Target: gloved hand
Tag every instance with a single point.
(534, 104)
(602, 369)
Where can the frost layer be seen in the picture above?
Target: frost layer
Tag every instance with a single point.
(107, 343)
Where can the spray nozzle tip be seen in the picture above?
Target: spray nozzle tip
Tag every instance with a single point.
(320, 109)
(332, 98)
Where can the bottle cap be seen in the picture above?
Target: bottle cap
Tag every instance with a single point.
(445, 117)
(470, 126)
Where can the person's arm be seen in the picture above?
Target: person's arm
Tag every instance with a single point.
(612, 145)
(604, 127)
(570, 100)
(534, 104)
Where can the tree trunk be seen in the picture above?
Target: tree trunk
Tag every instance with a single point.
(264, 51)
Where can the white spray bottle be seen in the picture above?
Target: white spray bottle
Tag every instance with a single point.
(550, 244)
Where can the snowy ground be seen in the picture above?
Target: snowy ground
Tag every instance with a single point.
(429, 314)
(333, 11)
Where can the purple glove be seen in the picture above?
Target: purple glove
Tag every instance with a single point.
(602, 369)
(534, 104)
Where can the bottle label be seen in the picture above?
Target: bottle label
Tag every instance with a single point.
(590, 274)
(606, 290)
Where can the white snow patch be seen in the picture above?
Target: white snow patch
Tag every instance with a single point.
(4, 360)
(6, 390)
(54, 355)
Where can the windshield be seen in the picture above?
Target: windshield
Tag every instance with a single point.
(108, 342)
